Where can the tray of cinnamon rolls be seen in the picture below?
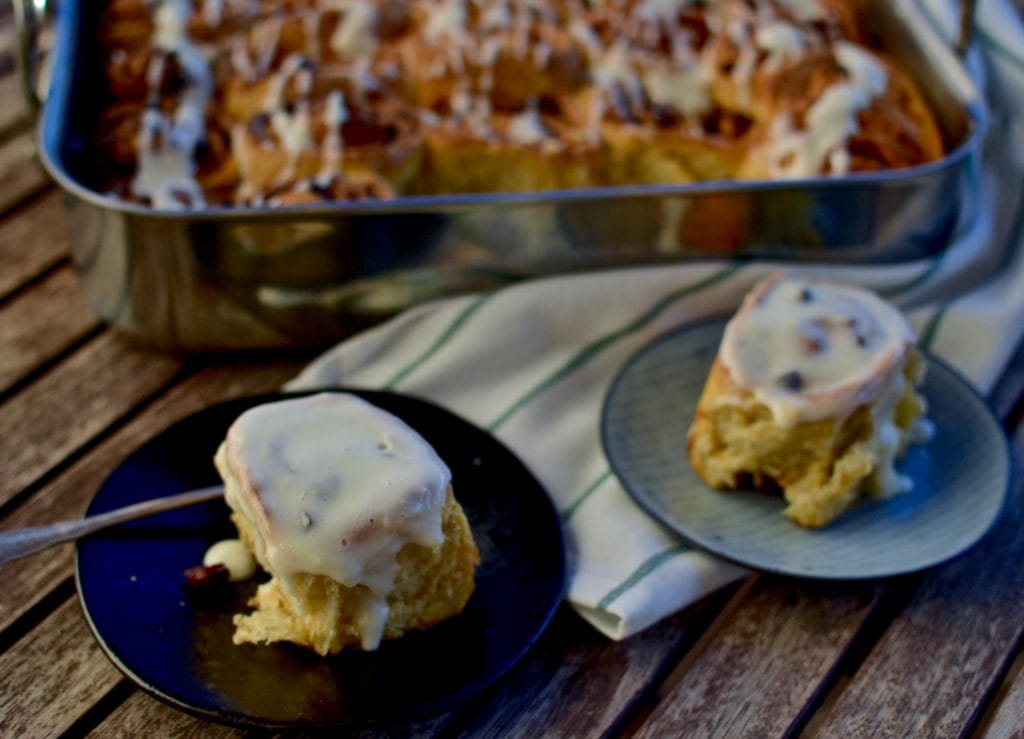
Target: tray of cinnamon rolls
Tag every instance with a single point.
(271, 172)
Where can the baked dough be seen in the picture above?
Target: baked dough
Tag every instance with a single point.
(352, 514)
(241, 102)
(813, 392)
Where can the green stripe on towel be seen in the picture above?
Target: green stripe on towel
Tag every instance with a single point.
(596, 347)
(452, 329)
(1013, 240)
(591, 489)
(640, 573)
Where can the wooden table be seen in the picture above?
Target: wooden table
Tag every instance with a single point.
(936, 654)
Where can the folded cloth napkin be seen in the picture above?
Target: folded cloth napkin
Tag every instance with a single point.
(532, 362)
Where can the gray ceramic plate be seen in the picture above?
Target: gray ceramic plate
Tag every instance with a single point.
(961, 477)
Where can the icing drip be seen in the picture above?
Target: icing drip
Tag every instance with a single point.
(166, 145)
(830, 121)
(335, 115)
(614, 73)
(782, 42)
(807, 11)
(527, 128)
(447, 20)
(686, 90)
(355, 34)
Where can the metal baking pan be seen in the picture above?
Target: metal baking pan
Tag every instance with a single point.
(230, 278)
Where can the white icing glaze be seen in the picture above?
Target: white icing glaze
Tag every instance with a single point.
(355, 34)
(810, 350)
(292, 129)
(804, 10)
(614, 70)
(234, 555)
(334, 486)
(665, 11)
(273, 98)
(685, 89)
(527, 128)
(830, 121)
(166, 146)
(581, 31)
(447, 20)
(864, 70)
(781, 41)
(335, 115)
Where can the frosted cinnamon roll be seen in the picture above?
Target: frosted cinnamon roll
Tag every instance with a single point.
(498, 94)
(813, 392)
(352, 514)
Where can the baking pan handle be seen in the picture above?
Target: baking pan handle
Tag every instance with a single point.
(29, 16)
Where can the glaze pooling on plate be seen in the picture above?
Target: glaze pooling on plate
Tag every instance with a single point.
(960, 478)
(177, 645)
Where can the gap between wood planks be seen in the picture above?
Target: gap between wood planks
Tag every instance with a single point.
(692, 654)
(88, 444)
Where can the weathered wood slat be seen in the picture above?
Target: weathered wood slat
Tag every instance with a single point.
(771, 656)
(28, 580)
(32, 239)
(20, 170)
(1008, 717)
(38, 324)
(52, 676)
(141, 714)
(8, 39)
(67, 407)
(15, 113)
(947, 649)
(576, 682)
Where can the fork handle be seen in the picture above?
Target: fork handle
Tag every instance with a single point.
(21, 542)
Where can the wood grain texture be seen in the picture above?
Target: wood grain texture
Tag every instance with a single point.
(931, 672)
(1007, 719)
(20, 170)
(52, 676)
(15, 114)
(141, 714)
(69, 406)
(33, 238)
(765, 663)
(577, 682)
(27, 581)
(35, 326)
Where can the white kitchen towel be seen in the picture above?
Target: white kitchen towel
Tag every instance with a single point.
(532, 362)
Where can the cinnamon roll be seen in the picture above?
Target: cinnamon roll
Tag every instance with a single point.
(352, 514)
(814, 393)
(441, 96)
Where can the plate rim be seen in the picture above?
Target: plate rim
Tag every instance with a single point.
(436, 708)
(719, 320)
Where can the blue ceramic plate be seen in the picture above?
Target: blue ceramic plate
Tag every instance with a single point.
(960, 477)
(176, 644)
